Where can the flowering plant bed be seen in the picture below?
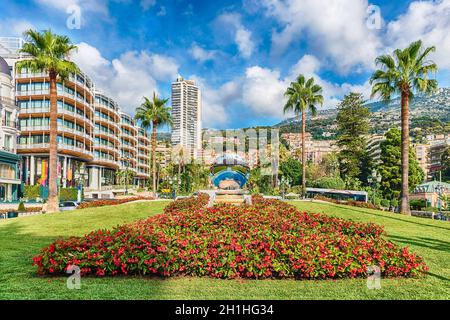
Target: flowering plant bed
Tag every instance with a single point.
(111, 202)
(269, 239)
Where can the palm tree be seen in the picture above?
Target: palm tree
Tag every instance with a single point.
(303, 95)
(405, 72)
(49, 53)
(153, 113)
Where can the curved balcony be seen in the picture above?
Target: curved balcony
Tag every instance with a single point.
(61, 130)
(62, 149)
(129, 148)
(80, 82)
(128, 137)
(105, 162)
(45, 94)
(107, 136)
(106, 148)
(107, 123)
(68, 115)
(108, 111)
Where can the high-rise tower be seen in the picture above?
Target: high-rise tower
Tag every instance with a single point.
(187, 115)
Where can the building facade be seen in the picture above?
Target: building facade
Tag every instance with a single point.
(9, 162)
(75, 127)
(186, 116)
(95, 138)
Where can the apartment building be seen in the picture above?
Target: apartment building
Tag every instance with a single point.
(186, 116)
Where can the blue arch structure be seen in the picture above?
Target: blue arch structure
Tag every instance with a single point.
(229, 167)
(229, 174)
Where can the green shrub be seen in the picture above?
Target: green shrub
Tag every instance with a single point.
(21, 207)
(68, 194)
(430, 209)
(329, 183)
(394, 202)
(385, 203)
(32, 192)
(418, 204)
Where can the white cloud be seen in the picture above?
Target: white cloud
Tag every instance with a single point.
(426, 20)
(244, 42)
(15, 27)
(147, 4)
(128, 78)
(263, 91)
(200, 54)
(336, 29)
(98, 6)
(263, 88)
(242, 37)
(216, 101)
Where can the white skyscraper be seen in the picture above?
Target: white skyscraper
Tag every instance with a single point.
(187, 115)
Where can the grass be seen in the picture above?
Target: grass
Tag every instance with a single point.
(22, 238)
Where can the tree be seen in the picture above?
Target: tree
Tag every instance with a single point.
(125, 176)
(291, 169)
(446, 165)
(49, 53)
(353, 127)
(405, 72)
(153, 113)
(390, 166)
(303, 95)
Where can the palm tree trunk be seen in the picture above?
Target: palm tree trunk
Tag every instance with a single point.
(404, 207)
(303, 155)
(53, 203)
(154, 157)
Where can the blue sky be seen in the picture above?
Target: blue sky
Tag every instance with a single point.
(243, 54)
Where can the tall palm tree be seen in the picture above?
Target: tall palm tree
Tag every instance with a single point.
(405, 72)
(303, 95)
(154, 113)
(49, 53)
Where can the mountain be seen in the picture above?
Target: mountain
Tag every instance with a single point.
(426, 112)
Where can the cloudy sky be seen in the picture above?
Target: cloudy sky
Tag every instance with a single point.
(243, 54)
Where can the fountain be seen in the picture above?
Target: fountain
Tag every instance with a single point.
(229, 174)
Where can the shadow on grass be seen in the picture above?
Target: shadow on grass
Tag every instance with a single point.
(428, 243)
(387, 216)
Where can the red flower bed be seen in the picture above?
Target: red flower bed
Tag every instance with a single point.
(269, 239)
(112, 202)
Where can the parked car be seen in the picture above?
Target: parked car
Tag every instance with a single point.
(68, 205)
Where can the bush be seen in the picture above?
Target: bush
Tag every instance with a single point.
(329, 183)
(394, 202)
(32, 192)
(21, 207)
(111, 202)
(269, 239)
(68, 194)
(418, 204)
(385, 203)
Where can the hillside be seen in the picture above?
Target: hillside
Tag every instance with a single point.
(429, 113)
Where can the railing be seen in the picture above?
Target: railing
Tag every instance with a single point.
(60, 128)
(61, 146)
(32, 92)
(71, 78)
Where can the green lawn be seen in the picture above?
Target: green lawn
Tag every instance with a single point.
(22, 238)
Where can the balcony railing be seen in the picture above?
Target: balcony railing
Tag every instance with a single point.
(60, 129)
(61, 146)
